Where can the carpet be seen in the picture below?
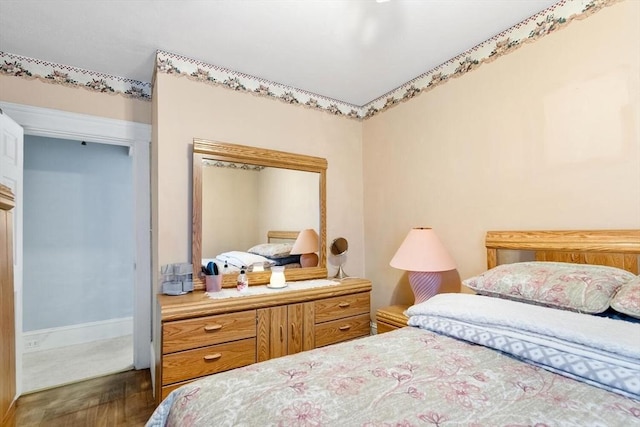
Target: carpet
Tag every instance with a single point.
(65, 365)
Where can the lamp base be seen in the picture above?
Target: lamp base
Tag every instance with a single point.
(309, 260)
(340, 274)
(424, 284)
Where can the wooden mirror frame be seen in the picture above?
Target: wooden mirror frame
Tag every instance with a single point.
(214, 150)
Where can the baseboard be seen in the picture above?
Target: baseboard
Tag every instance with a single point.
(374, 328)
(47, 339)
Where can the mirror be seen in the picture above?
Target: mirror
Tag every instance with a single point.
(244, 196)
(339, 248)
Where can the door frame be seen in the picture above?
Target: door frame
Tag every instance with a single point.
(38, 121)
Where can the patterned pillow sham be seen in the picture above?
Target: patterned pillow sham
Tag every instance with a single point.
(272, 250)
(576, 287)
(627, 300)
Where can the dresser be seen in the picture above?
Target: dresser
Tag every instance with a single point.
(200, 336)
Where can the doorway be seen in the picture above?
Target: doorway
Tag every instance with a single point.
(78, 261)
(136, 138)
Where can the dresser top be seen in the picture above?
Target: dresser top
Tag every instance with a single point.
(198, 303)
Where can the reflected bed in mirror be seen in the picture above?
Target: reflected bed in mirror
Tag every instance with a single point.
(241, 194)
(259, 257)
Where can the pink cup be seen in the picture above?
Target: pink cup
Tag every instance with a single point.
(213, 283)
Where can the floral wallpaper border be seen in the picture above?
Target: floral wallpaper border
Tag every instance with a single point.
(530, 30)
(35, 69)
(231, 165)
(551, 19)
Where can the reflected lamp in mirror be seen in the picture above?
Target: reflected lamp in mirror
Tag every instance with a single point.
(339, 248)
(306, 246)
(424, 256)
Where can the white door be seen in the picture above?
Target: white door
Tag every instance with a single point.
(11, 162)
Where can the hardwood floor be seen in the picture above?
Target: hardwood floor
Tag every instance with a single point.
(124, 399)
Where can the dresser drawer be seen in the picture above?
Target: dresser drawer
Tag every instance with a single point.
(340, 307)
(189, 364)
(193, 333)
(342, 330)
(169, 388)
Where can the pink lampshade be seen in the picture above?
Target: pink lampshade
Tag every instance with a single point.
(306, 245)
(422, 250)
(424, 256)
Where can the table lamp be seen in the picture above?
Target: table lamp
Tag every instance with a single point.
(424, 256)
(306, 246)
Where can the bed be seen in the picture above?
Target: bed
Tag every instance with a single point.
(275, 252)
(562, 349)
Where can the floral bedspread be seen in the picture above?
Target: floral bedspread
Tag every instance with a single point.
(408, 377)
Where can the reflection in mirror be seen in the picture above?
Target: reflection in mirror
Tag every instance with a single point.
(306, 246)
(241, 203)
(339, 248)
(243, 197)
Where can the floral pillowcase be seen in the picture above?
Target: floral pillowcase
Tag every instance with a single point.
(627, 300)
(578, 287)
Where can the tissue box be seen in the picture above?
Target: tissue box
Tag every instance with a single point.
(177, 279)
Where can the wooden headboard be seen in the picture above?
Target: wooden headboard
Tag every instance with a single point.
(282, 235)
(616, 248)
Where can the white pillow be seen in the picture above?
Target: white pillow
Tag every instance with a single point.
(243, 259)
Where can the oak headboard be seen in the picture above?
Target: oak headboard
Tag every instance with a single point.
(274, 236)
(616, 248)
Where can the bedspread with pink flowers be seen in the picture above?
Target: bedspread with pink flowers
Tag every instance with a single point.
(408, 377)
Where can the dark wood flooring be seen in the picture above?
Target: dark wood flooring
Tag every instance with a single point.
(124, 399)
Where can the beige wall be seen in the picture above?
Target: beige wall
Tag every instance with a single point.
(187, 109)
(289, 200)
(546, 137)
(73, 99)
(229, 205)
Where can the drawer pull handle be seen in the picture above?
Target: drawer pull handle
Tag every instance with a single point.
(215, 356)
(344, 305)
(212, 328)
(345, 327)
(281, 334)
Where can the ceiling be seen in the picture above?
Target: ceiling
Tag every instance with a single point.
(350, 50)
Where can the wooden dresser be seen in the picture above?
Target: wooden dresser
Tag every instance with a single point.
(200, 336)
(7, 337)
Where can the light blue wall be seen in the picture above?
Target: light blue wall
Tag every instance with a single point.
(78, 233)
